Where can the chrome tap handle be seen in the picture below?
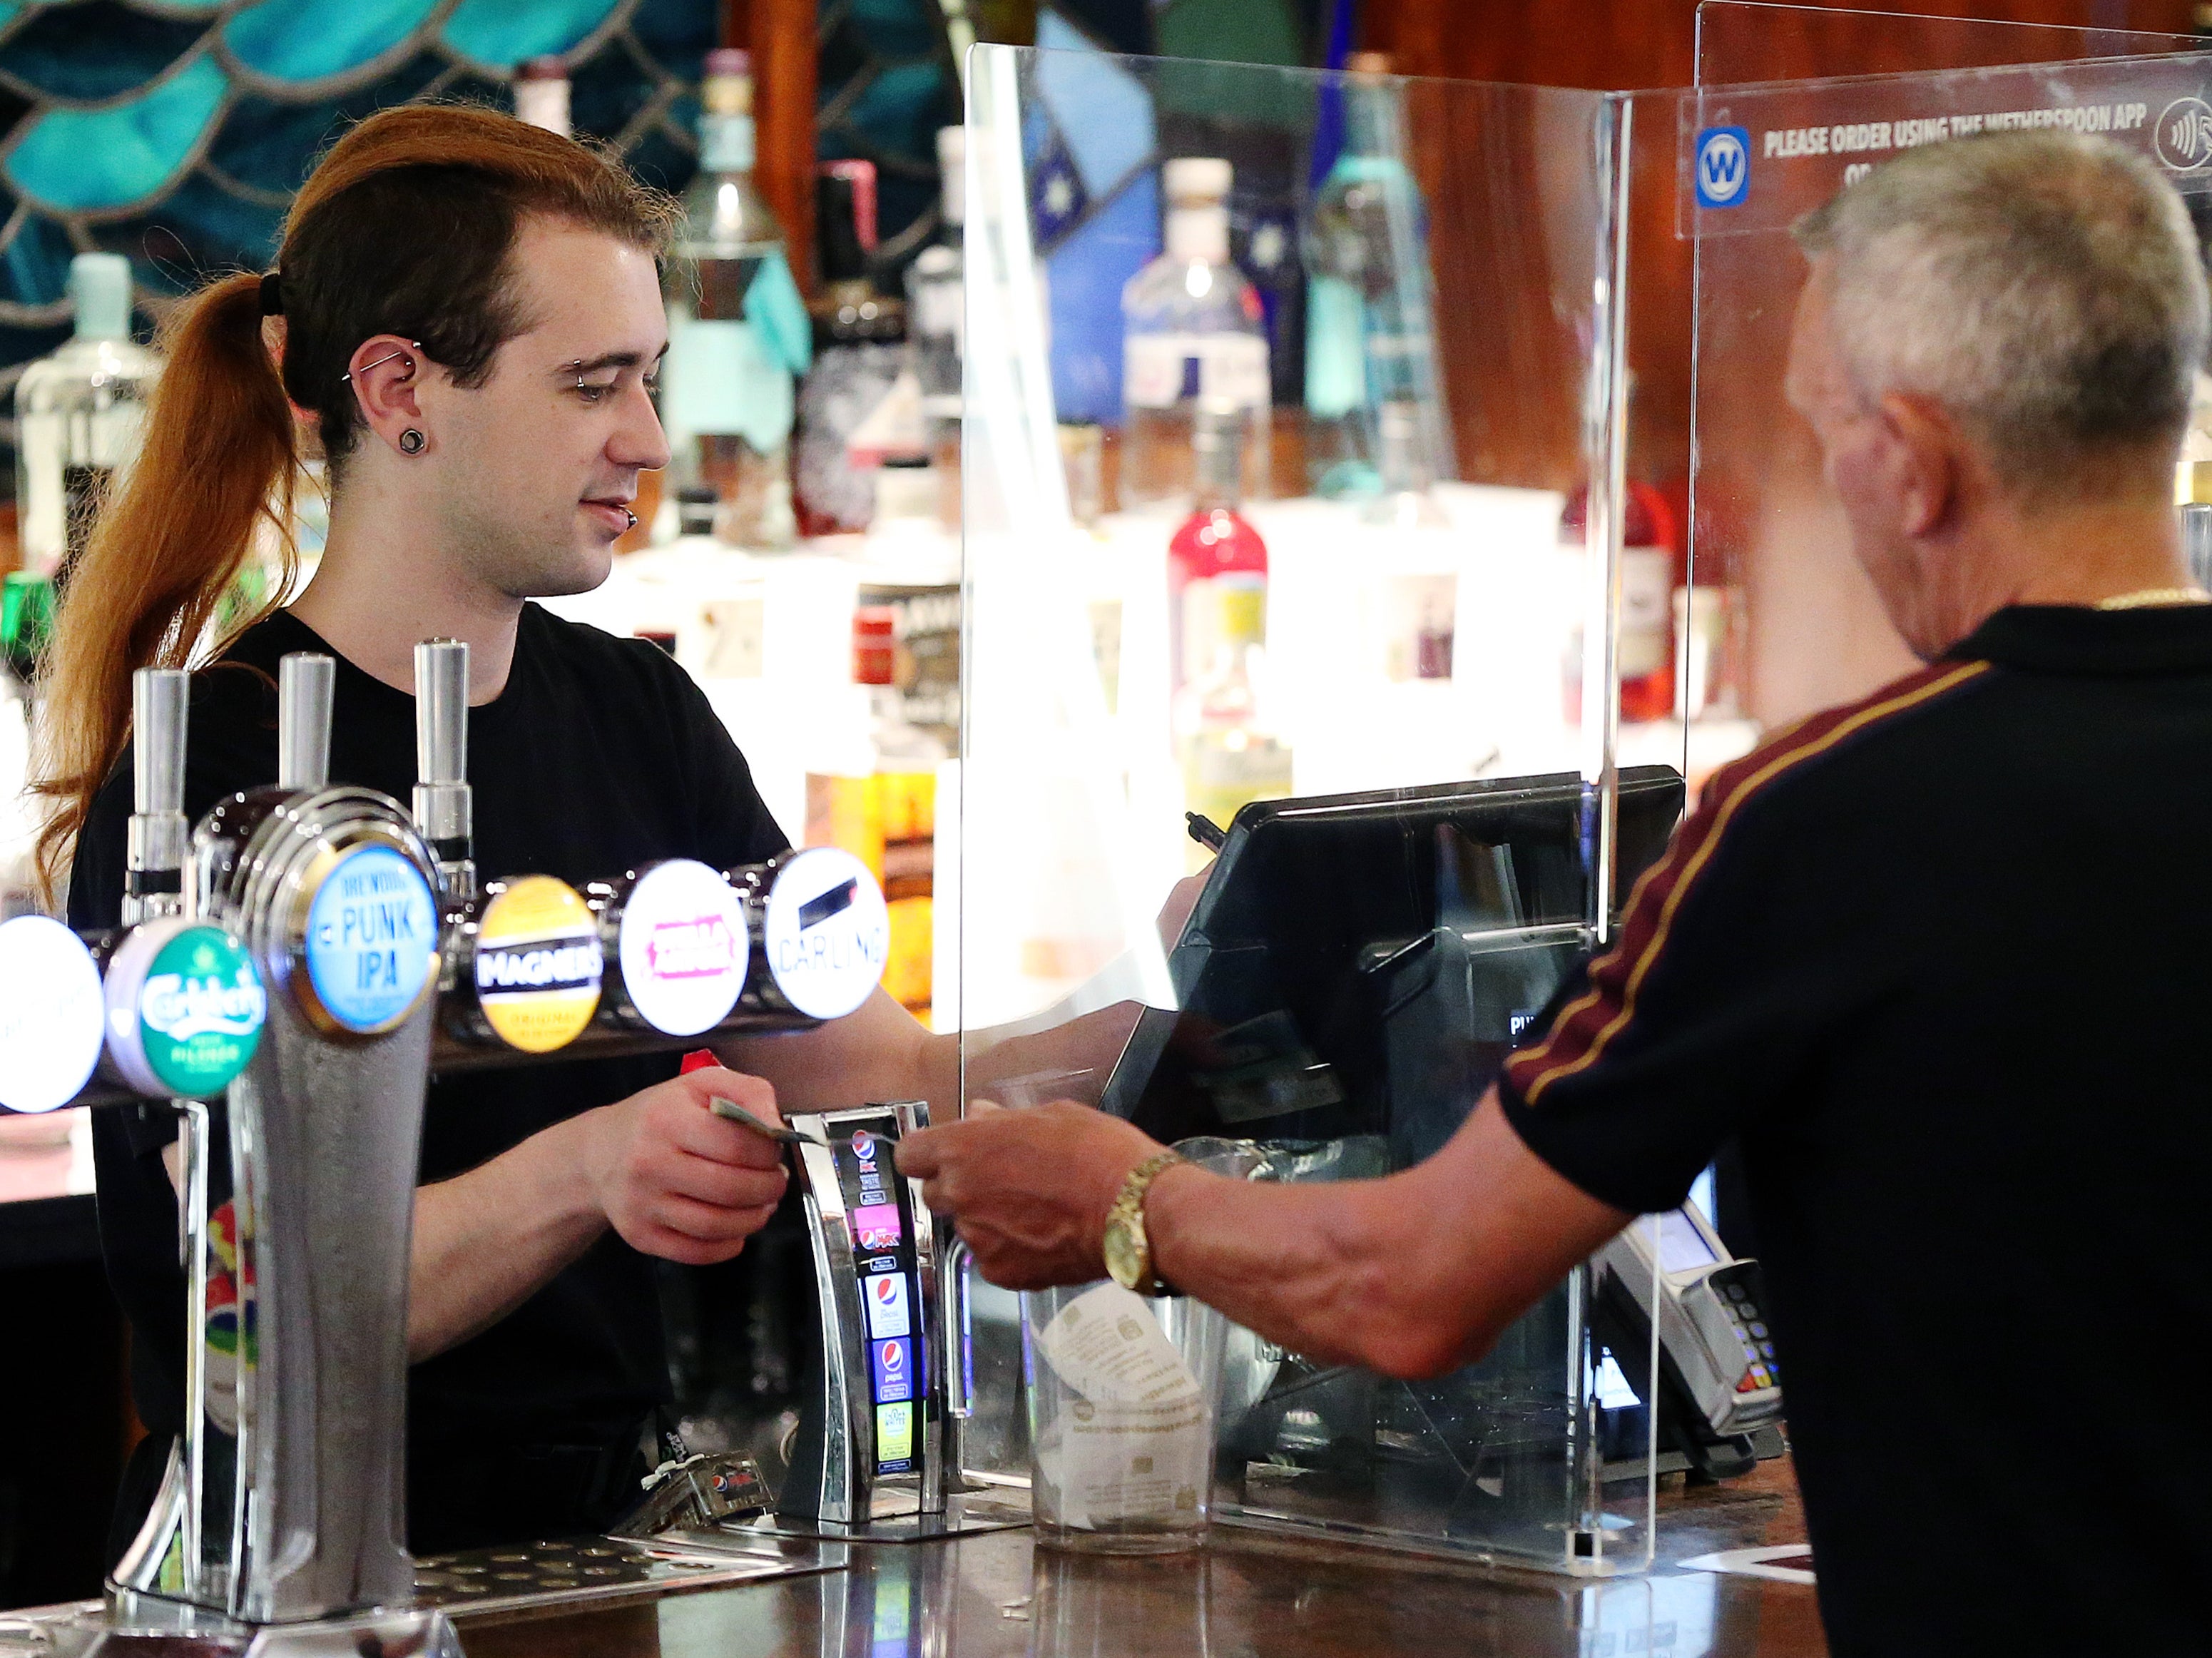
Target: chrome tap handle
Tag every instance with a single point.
(305, 682)
(153, 855)
(443, 809)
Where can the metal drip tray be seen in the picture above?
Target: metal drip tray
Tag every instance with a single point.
(588, 1569)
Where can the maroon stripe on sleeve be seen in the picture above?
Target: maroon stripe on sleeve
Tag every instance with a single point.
(1584, 1026)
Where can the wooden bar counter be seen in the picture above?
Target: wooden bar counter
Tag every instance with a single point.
(994, 1595)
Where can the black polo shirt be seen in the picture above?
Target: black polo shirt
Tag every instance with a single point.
(1936, 959)
(600, 754)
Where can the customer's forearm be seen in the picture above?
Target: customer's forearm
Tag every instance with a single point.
(1412, 1275)
(487, 1240)
(1306, 1267)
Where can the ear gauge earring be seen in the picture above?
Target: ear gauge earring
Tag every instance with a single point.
(411, 442)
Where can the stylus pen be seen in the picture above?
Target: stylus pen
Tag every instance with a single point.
(731, 1111)
(1204, 830)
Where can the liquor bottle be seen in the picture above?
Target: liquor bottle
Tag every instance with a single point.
(1230, 755)
(936, 323)
(879, 802)
(737, 330)
(1193, 330)
(27, 622)
(80, 415)
(541, 94)
(860, 352)
(1216, 559)
(1376, 416)
(1652, 568)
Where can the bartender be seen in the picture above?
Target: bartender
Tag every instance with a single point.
(1934, 957)
(465, 319)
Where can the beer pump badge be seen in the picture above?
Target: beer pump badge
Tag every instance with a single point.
(682, 947)
(185, 1008)
(50, 1014)
(371, 939)
(828, 932)
(537, 963)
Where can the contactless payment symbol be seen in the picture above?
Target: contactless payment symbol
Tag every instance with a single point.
(887, 1315)
(537, 963)
(185, 1008)
(2184, 135)
(684, 948)
(371, 940)
(1723, 165)
(828, 932)
(894, 1369)
(50, 1014)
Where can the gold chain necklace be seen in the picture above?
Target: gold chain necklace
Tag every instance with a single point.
(2148, 597)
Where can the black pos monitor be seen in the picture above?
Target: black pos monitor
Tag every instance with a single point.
(1347, 987)
(1359, 965)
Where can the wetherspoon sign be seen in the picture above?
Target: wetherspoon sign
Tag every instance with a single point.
(1758, 157)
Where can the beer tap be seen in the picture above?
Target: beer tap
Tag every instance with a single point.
(443, 804)
(305, 682)
(153, 857)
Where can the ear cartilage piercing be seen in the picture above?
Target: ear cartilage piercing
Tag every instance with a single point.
(411, 442)
(413, 345)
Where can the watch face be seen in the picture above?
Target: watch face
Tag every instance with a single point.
(1125, 1254)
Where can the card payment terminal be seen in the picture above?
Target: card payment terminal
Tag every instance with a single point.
(1716, 1350)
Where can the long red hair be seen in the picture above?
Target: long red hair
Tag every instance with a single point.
(405, 228)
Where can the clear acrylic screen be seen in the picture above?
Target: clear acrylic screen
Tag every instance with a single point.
(1392, 342)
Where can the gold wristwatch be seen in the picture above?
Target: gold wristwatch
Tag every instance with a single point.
(1128, 1251)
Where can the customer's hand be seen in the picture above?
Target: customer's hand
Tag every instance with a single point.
(1029, 1190)
(676, 1181)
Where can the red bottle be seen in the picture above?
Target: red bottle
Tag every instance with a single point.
(1217, 563)
(1652, 568)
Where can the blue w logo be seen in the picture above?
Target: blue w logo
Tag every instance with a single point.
(1723, 166)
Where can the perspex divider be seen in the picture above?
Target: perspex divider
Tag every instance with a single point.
(1771, 550)
(1419, 378)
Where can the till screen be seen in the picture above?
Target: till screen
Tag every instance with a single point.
(883, 1255)
(1681, 1246)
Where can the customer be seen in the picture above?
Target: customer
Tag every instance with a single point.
(1934, 957)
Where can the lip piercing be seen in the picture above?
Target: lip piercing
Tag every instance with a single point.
(415, 345)
(631, 516)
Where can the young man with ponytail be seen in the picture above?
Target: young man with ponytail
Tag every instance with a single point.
(464, 319)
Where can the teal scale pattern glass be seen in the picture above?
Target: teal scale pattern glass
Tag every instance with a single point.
(175, 131)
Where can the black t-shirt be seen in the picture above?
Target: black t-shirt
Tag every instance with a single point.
(1936, 958)
(599, 755)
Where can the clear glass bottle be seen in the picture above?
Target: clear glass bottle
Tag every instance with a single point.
(936, 324)
(1192, 329)
(541, 94)
(738, 329)
(1376, 421)
(81, 416)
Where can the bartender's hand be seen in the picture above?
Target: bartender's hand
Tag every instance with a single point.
(1029, 1190)
(676, 1181)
